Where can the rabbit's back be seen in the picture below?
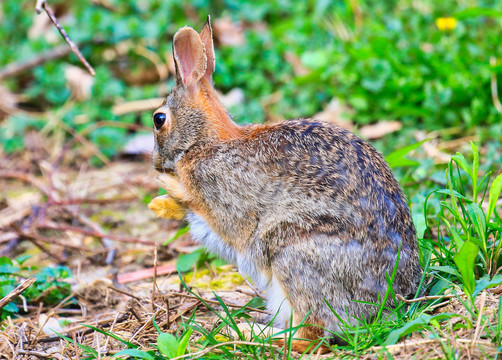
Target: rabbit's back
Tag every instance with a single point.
(281, 184)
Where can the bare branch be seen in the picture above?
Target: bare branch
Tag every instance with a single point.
(43, 4)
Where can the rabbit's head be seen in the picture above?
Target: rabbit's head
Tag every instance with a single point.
(192, 114)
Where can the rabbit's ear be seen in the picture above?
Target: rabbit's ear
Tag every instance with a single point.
(189, 56)
(206, 35)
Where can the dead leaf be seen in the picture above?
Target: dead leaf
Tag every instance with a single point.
(36, 142)
(137, 106)
(41, 25)
(9, 215)
(79, 81)
(227, 32)
(431, 148)
(496, 290)
(232, 98)
(96, 296)
(333, 113)
(296, 63)
(380, 129)
(20, 201)
(141, 144)
(165, 269)
(427, 47)
(7, 236)
(8, 102)
(49, 325)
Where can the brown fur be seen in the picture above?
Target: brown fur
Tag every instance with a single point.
(303, 204)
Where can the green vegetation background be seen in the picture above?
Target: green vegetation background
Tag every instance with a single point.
(387, 60)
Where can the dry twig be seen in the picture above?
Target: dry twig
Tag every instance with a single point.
(137, 106)
(216, 302)
(75, 346)
(16, 292)
(47, 240)
(39, 354)
(154, 276)
(16, 68)
(124, 292)
(114, 124)
(43, 4)
(96, 234)
(478, 322)
(20, 175)
(425, 298)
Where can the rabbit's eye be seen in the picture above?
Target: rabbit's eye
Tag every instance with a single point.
(158, 120)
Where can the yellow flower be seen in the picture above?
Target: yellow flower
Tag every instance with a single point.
(446, 23)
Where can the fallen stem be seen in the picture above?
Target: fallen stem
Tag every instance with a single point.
(78, 201)
(28, 178)
(16, 68)
(97, 234)
(494, 86)
(47, 240)
(217, 302)
(425, 298)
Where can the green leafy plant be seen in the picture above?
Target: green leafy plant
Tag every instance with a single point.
(50, 286)
(473, 237)
(198, 258)
(170, 346)
(398, 65)
(397, 157)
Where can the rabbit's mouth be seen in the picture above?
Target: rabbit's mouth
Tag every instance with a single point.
(165, 171)
(162, 164)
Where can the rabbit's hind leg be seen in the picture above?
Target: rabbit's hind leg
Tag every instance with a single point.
(306, 338)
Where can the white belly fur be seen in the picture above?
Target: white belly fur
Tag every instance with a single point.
(277, 303)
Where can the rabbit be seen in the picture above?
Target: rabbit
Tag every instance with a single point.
(309, 211)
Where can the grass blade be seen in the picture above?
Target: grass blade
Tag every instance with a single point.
(495, 190)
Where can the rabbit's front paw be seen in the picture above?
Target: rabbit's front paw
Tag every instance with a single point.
(167, 207)
(172, 185)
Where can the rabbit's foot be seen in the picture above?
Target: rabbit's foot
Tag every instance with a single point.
(165, 206)
(304, 346)
(249, 331)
